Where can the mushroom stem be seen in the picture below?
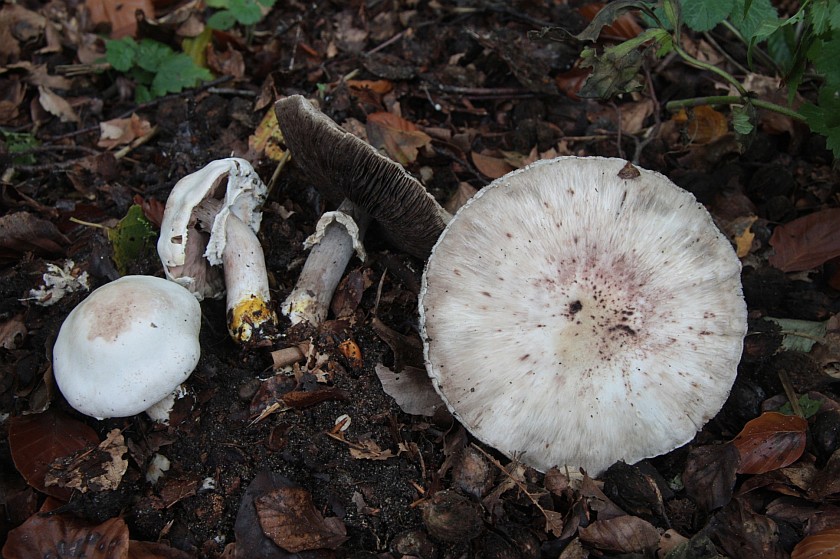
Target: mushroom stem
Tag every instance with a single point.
(249, 315)
(309, 301)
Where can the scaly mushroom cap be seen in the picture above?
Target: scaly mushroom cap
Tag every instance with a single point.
(575, 318)
(127, 346)
(341, 165)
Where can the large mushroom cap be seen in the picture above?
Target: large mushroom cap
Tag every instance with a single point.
(127, 346)
(577, 318)
(341, 165)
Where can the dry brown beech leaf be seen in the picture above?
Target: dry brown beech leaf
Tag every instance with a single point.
(806, 242)
(822, 545)
(24, 232)
(709, 475)
(64, 537)
(98, 469)
(400, 137)
(770, 441)
(152, 550)
(288, 516)
(37, 440)
(624, 534)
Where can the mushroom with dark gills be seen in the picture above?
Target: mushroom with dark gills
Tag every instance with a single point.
(576, 314)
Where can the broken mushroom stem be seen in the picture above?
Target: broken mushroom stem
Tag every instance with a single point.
(337, 236)
(249, 314)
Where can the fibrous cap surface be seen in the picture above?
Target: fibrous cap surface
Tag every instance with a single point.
(576, 318)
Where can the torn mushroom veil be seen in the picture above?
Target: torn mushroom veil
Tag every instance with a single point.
(573, 317)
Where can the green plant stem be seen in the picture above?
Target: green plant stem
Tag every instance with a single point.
(673, 106)
(714, 69)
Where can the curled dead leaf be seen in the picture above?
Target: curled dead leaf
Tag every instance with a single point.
(822, 545)
(624, 534)
(806, 242)
(400, 138)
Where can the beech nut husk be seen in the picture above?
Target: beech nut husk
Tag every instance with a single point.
(452, 518)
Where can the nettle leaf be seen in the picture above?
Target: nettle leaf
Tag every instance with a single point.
(760, 15)
(820, 12)
(825, 118)
(703, 16)
(176, 73)
(151, 54)
(825, 54)
(222, 20)
(121, 53)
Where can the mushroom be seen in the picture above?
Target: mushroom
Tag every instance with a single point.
(127, 346)
(211, 218)
(343, 167)
(582, 311)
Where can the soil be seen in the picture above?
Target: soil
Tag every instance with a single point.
(469, 78)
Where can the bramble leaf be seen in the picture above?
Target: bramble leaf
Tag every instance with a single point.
(176, 73)
(825, 117)
(151, 54)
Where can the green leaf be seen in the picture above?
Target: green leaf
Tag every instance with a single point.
(218, 3)
(222, 20)
(17, 142)
(825, 54)
(703, 16)
(151, 55)
(142, 94)
(741, 120)
(132, 238)
(177, 72)
(760, 15)
(267, 3)
(834, 16)
(800, 335)
(808, 406)
(825, 118)
(247, 12)
(121, 53)
(820, 13)
(672, 11)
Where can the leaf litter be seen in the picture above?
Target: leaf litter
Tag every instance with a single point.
(458, 97)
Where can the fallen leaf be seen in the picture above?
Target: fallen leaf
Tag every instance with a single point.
(97, 469)
(489, 166)
(37, 440)
(121, 131)
(827, 480)
(154, 550)
(822, 545)
(624, 534)
(400, 138)
(12, 332)
(770, 441)
(56, 105)
(289, 518)
(743, 534)
(701, 125)
(710, 474)
(351, 351)
(120, 15)
(267, 137)
(411, 389)
(62, 537)
(807, 242)
(741, 228)
(24, 232)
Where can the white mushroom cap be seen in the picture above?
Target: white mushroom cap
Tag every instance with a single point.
(127, 346)
(575, 318)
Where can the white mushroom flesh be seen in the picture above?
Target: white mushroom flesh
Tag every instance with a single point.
(575, 318)
(127, 346)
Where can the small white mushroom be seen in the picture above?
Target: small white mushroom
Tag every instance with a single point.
(582, 311)
(127, 346)
(209, 232)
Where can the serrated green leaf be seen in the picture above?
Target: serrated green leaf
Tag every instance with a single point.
(121, 53)
(18, 142)
(834, 16)
(222, 20)
(703, 16)
(132, 238)
(218, 3)
(825, 54)
(176, 73)
(820, 13)
(247, 12)
(800, 335)
(267, 3)
(760, 15)
(151, 54)
(142, 94)
(825, 118)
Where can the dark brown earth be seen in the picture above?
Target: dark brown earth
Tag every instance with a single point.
(469, 78)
